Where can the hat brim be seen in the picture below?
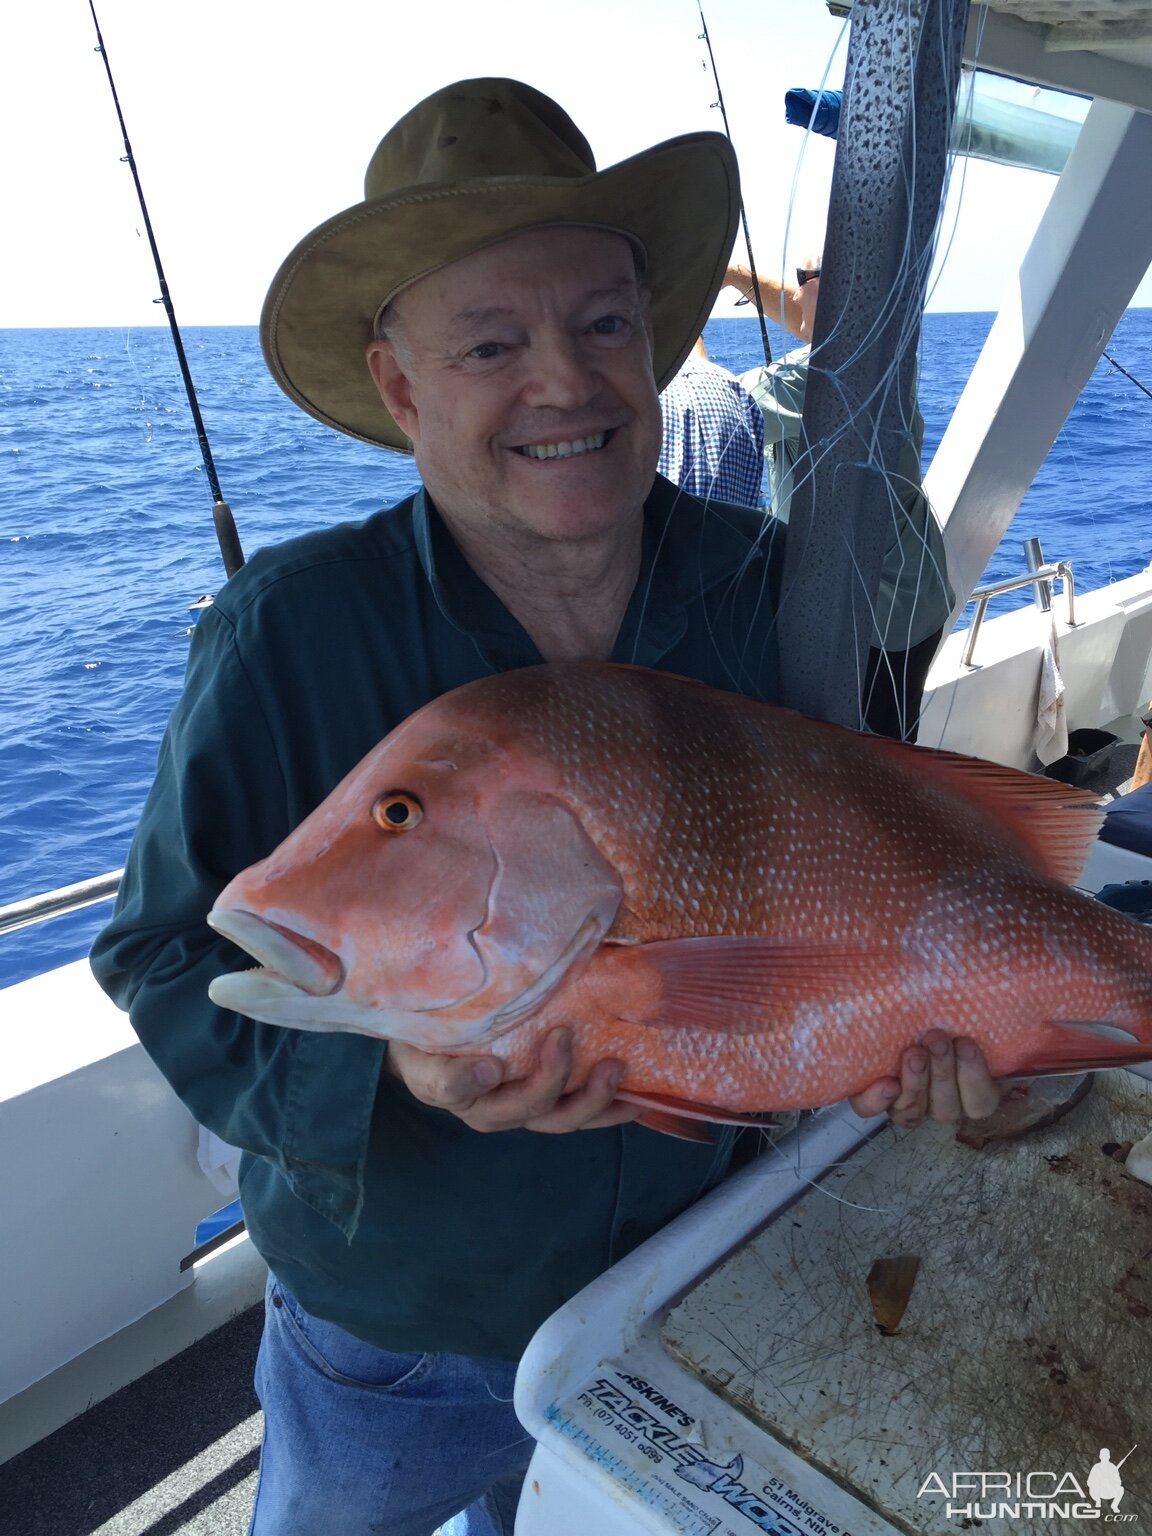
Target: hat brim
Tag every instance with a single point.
(680, 200)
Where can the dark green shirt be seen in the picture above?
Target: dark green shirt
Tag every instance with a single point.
(380, 1213)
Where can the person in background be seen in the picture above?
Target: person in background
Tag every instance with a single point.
(507, 313)
(1128, 824)
(713, 444)
(914, 598)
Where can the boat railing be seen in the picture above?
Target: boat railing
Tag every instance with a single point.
(66, 898)
(1040, 579)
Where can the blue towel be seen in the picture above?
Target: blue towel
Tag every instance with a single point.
(818, 110)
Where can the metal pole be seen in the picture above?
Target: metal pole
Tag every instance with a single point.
(67, 898)
(1041, 590)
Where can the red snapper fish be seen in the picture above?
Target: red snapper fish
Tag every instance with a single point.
(752, 910)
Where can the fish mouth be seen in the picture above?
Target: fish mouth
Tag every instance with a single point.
(286, 956)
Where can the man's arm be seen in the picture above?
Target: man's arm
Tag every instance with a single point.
(779, 301)
(218, 803)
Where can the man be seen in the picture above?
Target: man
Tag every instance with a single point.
(713, 441)
(914, 597)
(421, 1217)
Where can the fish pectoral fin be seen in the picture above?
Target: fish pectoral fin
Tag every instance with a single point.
(682, 1118)
(741, 985)
(1075, 1046)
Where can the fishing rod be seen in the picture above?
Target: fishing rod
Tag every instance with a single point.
(1148, 392)
(719, 102)
(222, 519)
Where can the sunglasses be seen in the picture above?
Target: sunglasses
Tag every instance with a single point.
(806, 274)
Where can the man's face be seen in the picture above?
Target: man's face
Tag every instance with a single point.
(523, 376)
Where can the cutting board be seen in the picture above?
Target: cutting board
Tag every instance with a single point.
(1025, 1347)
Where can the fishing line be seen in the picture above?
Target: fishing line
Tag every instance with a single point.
(149, 425)
(222, 519)
(820, 1171)
(866, 453)
(719, 102)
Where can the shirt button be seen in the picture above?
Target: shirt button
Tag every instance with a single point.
(277, 1299)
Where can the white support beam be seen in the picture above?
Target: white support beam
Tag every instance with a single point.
(1005, 45)
(1093, 246)
(1115, 35)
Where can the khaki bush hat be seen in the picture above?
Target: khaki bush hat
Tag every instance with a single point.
(470, 165)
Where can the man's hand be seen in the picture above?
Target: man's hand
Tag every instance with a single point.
(940, 1079)
(472, 1088)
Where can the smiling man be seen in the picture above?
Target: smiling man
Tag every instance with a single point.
(534, 422)
(505, 312)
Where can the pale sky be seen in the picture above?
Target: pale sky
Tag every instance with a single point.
(252, 121)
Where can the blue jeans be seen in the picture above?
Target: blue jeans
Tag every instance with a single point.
(359, 1440)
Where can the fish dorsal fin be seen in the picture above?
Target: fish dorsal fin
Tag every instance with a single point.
(1053, 825)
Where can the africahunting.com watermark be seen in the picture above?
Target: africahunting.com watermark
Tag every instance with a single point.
(1002, 1495)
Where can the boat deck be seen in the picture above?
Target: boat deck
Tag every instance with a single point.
(1115, 778)
(176, 1451)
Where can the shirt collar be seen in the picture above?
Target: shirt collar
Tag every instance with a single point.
(687, 549)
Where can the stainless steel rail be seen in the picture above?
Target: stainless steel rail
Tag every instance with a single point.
(1038, 580)
(68, 898)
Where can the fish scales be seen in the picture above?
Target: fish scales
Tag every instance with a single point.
(716, 798)
(749, 909)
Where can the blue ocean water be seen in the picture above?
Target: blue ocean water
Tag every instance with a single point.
(106, 541)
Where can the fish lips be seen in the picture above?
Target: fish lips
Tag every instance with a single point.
(298, 961)
(269, 999)
(300, 986)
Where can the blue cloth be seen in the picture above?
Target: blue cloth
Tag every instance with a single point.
(359, 1439)
(713, 435)
(818, 110)
(1128, 821)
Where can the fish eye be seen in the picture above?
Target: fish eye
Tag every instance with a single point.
(397, 811)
